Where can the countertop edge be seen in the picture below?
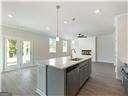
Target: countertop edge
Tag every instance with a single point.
(63, 68)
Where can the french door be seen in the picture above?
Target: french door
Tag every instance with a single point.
(17, 53)
(10, 53)
(26, 53)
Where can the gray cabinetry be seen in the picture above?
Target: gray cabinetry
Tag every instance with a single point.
(125, 83)
(76, 77)
(72, 80)
(125, 78)
(90, 66)
(67, 82)
(84, 71)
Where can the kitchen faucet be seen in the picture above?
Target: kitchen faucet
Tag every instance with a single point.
(72, 50)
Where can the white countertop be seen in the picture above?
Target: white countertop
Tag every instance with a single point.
(62, 62)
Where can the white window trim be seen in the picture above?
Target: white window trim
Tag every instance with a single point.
(4, 64)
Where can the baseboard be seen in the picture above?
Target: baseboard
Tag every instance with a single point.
(103, 62)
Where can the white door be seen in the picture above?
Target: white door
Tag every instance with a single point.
(17, 53)
(11, 53)
(26, 53)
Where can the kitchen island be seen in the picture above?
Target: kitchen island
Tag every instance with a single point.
(64, 76)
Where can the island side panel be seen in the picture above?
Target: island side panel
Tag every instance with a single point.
(55, 81)
(41, 80)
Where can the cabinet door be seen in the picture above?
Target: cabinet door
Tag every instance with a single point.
(90, 66)
(83, 74)
(72, 82)
(125, 83)
(85, 71)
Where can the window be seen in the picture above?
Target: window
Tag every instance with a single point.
(26, 51)
(65, 46)
(15, 48)
(52, 45)
(11, 52)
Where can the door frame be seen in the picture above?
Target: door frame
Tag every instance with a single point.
(5, 54)
(19, 60)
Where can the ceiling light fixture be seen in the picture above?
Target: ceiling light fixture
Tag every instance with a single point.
(97, 11)
(81, 35)
(57, 28)
(10, 15)
(73, 18)
(65, 22)
(48, 28)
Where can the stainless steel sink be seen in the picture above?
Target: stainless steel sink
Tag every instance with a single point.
(76, 59)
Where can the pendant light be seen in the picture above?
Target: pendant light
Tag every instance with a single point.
(57, 34)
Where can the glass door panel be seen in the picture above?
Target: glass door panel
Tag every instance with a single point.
(17, 53)
(26, 52)
(11, 52)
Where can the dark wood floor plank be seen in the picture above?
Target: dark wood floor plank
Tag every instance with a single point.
(102, 82)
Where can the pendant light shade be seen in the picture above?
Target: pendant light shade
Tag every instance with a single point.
(57, 38)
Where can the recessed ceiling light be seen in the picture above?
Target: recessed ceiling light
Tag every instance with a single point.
(65, 22)
(97, 11)
(10, 15)
(48, 28)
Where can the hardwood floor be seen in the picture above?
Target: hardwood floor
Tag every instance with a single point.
(20, 83)
(101, 83)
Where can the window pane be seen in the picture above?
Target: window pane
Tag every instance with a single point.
(11, 52)
(64, 46)
(52, 45)
(26, 52)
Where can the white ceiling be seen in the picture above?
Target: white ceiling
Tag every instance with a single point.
(39, 15)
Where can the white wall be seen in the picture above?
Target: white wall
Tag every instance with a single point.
(0, 48)
(41, 43)
(86, 44)
(0, 51)
(121, 39)
(105, 48)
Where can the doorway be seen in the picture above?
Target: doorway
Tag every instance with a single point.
(17, 53)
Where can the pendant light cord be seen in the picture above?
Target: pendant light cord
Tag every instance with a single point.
(57, 7)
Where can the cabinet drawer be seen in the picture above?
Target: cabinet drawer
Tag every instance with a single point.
(72, 68)
(83, 64)
(84, 67)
